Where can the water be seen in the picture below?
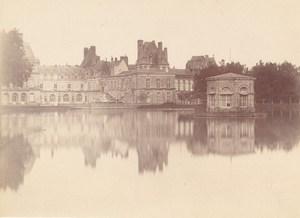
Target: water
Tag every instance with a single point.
(126, 163)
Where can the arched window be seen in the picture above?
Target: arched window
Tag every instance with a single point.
(212, 89)
(52, 98)
(23, 97)
(79, 98)
(226, 90)
(243, 89)
(14, 97)
(66, 98)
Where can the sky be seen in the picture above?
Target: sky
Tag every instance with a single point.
(234, 30)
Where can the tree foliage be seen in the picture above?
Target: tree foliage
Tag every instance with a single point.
(105, 69)
(272, 80)
(15, 68)
(200, 79)
(275, 80)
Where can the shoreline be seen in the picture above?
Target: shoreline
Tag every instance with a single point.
(166, 106)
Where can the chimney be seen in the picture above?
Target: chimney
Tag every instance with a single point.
(140, 43)
(160, 46)
(85, 52)
(93, 50)
(166, 54)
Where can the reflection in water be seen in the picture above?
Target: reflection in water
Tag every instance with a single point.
(235, 136)
(115, 132)
(16, 159)
(279, 131)
(225, 136)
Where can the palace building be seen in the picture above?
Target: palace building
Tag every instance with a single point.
(149, 81)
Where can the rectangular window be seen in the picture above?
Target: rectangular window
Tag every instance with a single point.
(212, 100)
(243, 100)
(81, 86)
(168, 83)
(69, 87)
(148, 97)
(148, 83)
(55, 87)
(41, 86)
(31, 97)
(169, 97)
(226, 100)
(158, 83)
(158, 97)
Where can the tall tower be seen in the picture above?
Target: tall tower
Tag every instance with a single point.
(151, 55)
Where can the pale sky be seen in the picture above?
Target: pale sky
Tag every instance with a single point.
(253, 30)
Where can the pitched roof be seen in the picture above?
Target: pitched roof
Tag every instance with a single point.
(61, 69)
(198, 58)
(230, 76)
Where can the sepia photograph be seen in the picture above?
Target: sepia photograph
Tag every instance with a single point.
(150, 108)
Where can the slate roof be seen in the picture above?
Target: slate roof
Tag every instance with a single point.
(66, 69)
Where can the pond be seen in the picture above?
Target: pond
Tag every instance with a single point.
(139, 163)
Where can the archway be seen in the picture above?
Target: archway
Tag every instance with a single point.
(66, 98)
(14, 97)
(79, 98)
(52, 98)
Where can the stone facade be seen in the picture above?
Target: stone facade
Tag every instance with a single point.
(141, 86)
(150, 81)
(230, 93)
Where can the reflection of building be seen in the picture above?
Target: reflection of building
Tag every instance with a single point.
(96, 133)
(231, 136)
(152, 155)
(230, 93)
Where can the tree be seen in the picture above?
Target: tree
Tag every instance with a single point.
(105, 69)
(275, 81)
(15, 68)
(200, 79)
